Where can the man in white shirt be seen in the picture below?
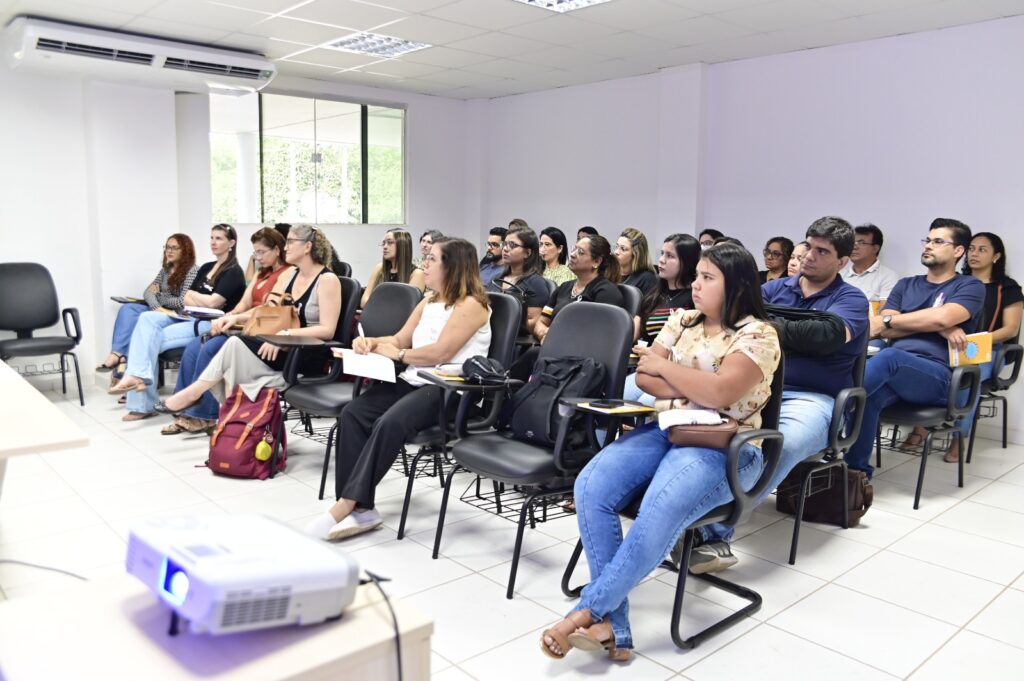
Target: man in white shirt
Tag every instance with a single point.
(865, 271)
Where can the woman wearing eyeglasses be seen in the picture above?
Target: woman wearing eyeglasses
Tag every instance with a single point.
(520, 254)
(252, 364)
(219, 284)
(167, 290)
(776, 258)
(268, 253)
(395, 265)
(634, 258)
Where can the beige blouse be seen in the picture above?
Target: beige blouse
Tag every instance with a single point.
(690, 347)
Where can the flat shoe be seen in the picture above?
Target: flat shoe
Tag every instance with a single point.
(162, 408)
(122, 389)
(355, 523)
(173, 429)
(138, 415)
(597, 638)
(578, 619)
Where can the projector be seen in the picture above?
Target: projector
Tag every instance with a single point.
(232, 573)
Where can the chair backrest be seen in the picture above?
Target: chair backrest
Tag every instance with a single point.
(342, 268)
(858, 366)
(597, 330)
(1010, 354)
(505, 316)
(30, 298)
(350, 292)
(630, 299)
(389, 308)
(551, 285)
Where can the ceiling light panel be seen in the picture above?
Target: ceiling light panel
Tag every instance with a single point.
(376, 44)
(562, 6)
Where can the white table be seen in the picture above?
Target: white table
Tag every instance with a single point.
(30, 422)
(117, 629)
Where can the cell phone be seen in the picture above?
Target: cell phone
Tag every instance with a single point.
(604, 404)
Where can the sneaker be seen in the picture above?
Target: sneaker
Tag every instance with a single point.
(355, 523)
(711, 557)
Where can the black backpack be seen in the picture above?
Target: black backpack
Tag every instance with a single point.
(532, 415)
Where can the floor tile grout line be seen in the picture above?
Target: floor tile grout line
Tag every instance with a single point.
(841, 653)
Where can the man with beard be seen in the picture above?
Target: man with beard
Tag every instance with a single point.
(490, 264)
(922, 315)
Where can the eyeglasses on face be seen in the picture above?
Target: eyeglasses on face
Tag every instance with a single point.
(861, 242)
(510, 245)
(708, 242)
(579, 252)
(937, 242)
(493, 244)
(259, 254)
(772, 254)
(294, 239)
(171, 249)
(430, 257)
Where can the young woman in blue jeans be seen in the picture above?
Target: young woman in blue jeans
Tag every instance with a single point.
(720, 356)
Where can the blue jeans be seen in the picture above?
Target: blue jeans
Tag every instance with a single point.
(154, 333)
(892, 376)
(682, 485)
(197, 356)
(124, 325)
(804, 418)
(967, 422)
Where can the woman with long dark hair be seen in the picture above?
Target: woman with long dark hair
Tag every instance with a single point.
(554, 251)
(167, 290)
(720, 356)
(396, 263)
(523, 265)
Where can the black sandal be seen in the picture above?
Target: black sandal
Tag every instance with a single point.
(106, 367)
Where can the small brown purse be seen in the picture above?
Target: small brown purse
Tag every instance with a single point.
(713, 437)
(271, 319)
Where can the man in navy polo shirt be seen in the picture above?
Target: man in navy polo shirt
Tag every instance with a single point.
(813, 379)
(922, 315)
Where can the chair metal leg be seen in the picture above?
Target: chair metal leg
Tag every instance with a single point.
(970, 447)
(574, 560)
(63, 378)
(327, 455)
(960, 459)
(844, 481)
(81, 397)
(527, 503)
(804, 483)
(878, 447)
(410, 479)
(925, 451)
(444, 509)
(1003, 408)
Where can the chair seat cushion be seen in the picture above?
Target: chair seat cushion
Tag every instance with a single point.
(428, 436)
(506, 460)
(32, 347)
(327, 399)
(905, 414)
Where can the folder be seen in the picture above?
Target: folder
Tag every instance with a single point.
(977, 351)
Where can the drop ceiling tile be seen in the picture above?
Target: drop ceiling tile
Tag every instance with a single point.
(299, 31)
(429, 30)
(713, 6)
(623, 45)
(628, 16)
(761, 44)
(203, 13)
(696, 31)
(476, 92)
(553, 79)
(862, 7)
(614, 68)
(411, 5)
(335, 58)
(67, 11)
(499, 44)
(447, 57)
(422, 87)
(270, 6)
(561, 29)
(295, 68)
(128, 6)
(361, 78)
(1005, 8)
(173, 30)
(509, 68)
(562, 57)
(357, 15)
(460, 78)
(677, 56)
(930, 17)
(838, 32)
(268, 47)
(774, 16)
(490, 14)
(400, 68)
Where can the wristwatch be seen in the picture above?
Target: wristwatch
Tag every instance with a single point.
(401, 355)
(887, 321)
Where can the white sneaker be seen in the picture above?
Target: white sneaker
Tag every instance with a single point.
(355, 523)
(320, 526)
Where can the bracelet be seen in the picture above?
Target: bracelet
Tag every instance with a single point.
(401, 355)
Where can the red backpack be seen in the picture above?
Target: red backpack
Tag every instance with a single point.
(243, 425)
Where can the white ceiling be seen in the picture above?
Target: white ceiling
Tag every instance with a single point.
(493, 48)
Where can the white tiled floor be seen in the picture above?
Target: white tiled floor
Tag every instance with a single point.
(935, 593)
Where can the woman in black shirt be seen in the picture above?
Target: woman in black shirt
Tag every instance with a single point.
(520, 254)
(634, 259)
(677, 267)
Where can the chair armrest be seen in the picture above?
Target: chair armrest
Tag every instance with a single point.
(842, 431)
(76, 322)
(964, 377)
(462, 386)
(283, 341)
(1008, 353)
(771, 454)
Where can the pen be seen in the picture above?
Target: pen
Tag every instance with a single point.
(359, 327)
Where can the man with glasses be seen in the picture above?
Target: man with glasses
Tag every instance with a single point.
(921, 315)
(865, 271)
(490, 264)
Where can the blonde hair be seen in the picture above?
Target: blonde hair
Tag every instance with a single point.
(321, 247)
(403, 258)
(641, 253)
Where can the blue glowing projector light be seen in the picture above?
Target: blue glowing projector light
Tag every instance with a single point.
(232, 573)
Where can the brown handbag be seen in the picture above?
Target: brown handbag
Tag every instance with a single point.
(271, 319)
(713, 437)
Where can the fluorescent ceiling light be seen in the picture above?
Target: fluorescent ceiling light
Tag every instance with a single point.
(561, 6)
(376, 44)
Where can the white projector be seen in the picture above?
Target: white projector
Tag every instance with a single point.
(233, 573)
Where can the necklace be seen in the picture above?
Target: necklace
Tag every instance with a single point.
(576, 291)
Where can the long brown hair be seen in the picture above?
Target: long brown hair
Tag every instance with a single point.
(461, 272)
(232, 259)
(403, 258)
(186, 261)
(271, 238)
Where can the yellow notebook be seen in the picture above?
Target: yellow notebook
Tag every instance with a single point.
(977, 351)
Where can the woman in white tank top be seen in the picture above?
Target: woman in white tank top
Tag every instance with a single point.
(450, 325)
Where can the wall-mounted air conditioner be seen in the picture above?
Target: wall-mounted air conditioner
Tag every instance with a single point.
(31, 43)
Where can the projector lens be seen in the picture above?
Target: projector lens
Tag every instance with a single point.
(179, 585)
(174, 583)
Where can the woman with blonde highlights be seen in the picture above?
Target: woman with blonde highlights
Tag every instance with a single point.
(396, 263)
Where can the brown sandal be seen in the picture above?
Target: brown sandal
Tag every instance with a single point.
(174, 428)
(578, 619)
(138, 415)
(912, 443)
(599, 637)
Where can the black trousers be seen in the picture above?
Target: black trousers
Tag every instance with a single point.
(372, 430)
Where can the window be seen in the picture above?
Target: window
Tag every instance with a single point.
(278, 158)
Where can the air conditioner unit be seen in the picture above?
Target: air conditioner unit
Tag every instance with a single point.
(35, 43)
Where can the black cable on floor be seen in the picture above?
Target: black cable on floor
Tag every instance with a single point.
(376, 579)
(45, 567)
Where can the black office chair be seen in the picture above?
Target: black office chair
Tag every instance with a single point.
(935, 420)
(732, 513)
(847, 417)
(543, 472)
(385, 313)
(552, 286)
(505, 316)
(31, 304)
(342, 268)
(631, 297)
(1009, 354)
